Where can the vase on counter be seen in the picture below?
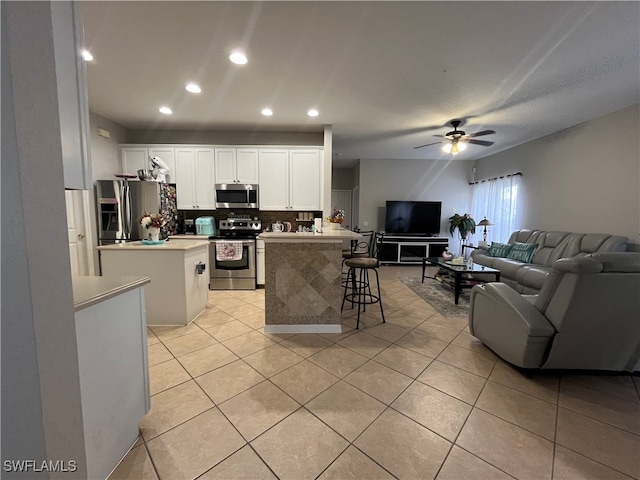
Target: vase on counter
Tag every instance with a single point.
(334, 225)
(154, 234)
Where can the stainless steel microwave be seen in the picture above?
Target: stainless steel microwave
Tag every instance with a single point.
(236, 195)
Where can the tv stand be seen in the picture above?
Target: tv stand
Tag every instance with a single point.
(411, 249)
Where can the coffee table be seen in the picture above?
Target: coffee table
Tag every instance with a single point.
(460, 276)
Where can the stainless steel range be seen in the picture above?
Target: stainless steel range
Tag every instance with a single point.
(232, 254)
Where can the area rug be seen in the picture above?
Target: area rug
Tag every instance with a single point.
(439, 296)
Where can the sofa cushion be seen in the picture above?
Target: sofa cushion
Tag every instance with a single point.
(532, 276)
(507, 267)
(522, 251)
(498, 249)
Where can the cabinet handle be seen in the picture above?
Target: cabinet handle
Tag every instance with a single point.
(80, 236)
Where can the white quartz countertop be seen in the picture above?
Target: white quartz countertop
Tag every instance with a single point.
(168, 245)
(88, 291)
(326, 235)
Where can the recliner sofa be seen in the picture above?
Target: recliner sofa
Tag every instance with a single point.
(528, 277)
(586, 316)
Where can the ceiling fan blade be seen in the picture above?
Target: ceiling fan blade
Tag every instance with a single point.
(482, 133)
(484, 143)
(427, 145)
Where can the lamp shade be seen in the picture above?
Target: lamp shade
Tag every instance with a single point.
(484, 222)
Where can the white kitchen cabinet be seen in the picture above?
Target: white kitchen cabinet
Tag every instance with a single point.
(305, 177)
(290, 179)
(260, 262)
(136, 158)
(236, 165)
(73, 104)
(195, 178)
(273, 166)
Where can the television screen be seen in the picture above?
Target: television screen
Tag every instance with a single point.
(415, 218)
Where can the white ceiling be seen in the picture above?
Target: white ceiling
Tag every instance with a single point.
(387, 76)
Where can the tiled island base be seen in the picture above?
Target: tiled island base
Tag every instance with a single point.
(302, 287)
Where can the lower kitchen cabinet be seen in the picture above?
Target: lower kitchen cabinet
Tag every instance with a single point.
(260, 264)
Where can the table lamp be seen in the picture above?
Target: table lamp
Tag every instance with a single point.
(484, 223)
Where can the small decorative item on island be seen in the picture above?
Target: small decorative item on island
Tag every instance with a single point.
(336, 218)
(447, 255)
(153, 222)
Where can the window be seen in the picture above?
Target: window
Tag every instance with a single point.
(497, 199)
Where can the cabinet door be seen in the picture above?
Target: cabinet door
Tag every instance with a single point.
(247, 165)
(185, 177)
(168, 156)
(260, 262)
(225, 164)
(273, 167)
(134, 159)
(205, 179)
(306, 179)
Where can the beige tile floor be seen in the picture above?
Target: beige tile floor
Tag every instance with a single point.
(417, 397)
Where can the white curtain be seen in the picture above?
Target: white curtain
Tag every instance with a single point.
(497, 200)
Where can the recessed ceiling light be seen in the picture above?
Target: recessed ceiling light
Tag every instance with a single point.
(86, 54)
(165, 110)
(193, 88)
(267, 112)
(313, 112)
(238, 58)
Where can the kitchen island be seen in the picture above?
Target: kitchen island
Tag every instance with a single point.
(179, 276)
(111, 335)
(303, 272)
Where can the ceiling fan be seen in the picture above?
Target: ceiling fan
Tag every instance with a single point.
(457, 140)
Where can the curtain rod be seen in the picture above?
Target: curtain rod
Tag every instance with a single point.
(496, 178)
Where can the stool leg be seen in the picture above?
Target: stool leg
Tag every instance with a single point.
(354, 287)
(346, 285)
(379, 294)
(361, 294)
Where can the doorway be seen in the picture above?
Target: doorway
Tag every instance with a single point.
(79, 233)
(341, 199)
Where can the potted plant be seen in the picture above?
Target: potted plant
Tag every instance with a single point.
(465, 224)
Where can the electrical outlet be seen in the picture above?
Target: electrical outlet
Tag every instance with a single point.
(365, 223)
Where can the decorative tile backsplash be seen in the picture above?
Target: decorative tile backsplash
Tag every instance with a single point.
(267, 217)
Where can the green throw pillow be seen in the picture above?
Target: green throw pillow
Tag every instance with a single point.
(522, 251)
(498, 249)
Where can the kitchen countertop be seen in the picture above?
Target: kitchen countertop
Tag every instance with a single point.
(176, 245)
(336, 235)
(88, 291)
(183, 236)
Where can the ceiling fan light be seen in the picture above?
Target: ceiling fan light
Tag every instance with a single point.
(461, 146)
(446, 148)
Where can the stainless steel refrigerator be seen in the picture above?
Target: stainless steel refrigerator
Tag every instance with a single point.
(120, 204)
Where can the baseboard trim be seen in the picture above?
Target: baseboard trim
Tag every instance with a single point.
(306, 328)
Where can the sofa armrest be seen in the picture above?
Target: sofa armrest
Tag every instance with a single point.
(509, 324)
(507, 301)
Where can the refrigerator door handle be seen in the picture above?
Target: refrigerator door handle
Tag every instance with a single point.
(126, 210)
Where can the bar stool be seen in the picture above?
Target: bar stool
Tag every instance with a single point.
(363, 247)
(361, 293)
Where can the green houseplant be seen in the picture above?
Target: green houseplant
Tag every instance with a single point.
(465, 224)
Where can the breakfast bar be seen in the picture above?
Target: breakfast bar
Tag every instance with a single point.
(303, 292)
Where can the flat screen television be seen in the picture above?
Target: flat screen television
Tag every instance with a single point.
(415, 218)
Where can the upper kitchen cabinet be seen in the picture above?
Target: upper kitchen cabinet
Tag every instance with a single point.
(236, 165)
(290, 179)
(73, 105)
(195, 178)
(136, 158)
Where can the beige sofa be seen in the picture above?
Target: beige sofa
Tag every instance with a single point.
(551, 246)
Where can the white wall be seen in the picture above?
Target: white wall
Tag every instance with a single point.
(37, 297)
(429, 180)
(211, 137)
(582, 179)
(105, 157)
